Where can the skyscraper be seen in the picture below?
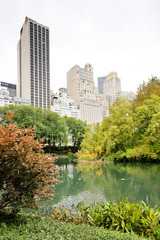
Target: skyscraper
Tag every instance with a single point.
(82, 90)
(101, 81)
(34, 64)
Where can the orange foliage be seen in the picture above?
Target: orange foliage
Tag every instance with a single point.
(26, 173)
(145, 91)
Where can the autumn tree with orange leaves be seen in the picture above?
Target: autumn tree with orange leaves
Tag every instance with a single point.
(145, 91)
(26, 173)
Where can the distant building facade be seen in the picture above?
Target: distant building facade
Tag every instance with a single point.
(64, 105)
(6, 100)
(33, 57)
(101, 81)
(10, 87)
(82, 90)
(129, 95)
(112, 87)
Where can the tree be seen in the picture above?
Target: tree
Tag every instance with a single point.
(91, 146)
(24, 116)
(49, 125)
(145, 91)
(26, 173)
(113, 137)
(76, 130)
(118, 128)
(147, 131)
(54, 128)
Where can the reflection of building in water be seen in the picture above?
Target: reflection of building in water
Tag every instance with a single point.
(70, 169)
(85, 196)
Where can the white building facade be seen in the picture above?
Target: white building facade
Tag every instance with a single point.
(112, 87)
(10, 87)
(82, 90)
(64, 105)
(129, 95)
(6, 100)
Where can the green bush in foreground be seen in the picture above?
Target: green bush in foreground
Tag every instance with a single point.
(124, 217)
(36, 228)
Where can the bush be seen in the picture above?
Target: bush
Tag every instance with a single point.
(124, 217)
(26, 173)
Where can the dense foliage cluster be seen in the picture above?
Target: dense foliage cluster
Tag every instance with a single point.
(124, 217)
(26, 173)
(145, 91)
(55, 130)
(131, 132)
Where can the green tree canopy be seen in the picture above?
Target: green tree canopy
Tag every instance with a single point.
(55, 130)
(76, 130)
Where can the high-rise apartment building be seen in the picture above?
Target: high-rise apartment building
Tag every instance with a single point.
(34, 64)
(82, 90)
(112, 87)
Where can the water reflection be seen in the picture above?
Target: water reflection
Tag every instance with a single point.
(95, 182)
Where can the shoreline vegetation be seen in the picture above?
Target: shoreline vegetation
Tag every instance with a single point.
(126, 217)
(126, 220)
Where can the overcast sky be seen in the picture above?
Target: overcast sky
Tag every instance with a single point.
(112, 35)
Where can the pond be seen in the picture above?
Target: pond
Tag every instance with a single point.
(91, 182)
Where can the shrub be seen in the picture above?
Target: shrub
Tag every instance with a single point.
(26, 173)
(125, 217)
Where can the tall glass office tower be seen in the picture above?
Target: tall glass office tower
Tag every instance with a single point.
(101, 81)
(33, 57)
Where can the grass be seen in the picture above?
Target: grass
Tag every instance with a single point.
(29, 227)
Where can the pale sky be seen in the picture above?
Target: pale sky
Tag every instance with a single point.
(112, 35)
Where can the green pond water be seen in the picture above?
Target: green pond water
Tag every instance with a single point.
(90, 182)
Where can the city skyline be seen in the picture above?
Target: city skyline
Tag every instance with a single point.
(121, 36)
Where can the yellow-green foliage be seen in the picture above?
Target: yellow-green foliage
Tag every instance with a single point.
(124, 217)
(91, 146)
(127, 134)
